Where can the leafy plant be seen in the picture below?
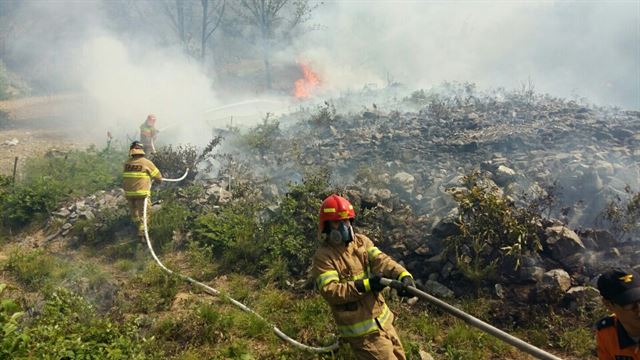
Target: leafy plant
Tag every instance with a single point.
(491, 228)
(13, 342)
(264, 136)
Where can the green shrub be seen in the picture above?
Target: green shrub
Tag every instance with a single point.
(33, 268)
(69, 327)
(25, 202)
(171, 217)
(263, 137)
(173, 162)
(160, 288)
(492, 229)
(103, 227)
(52, 179)
(13, 342)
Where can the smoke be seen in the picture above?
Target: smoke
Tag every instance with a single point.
(116, 79)
(566, 48)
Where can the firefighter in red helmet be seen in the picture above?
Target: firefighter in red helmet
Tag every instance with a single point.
(347, 268)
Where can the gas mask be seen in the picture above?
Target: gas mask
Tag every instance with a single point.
(342, 235)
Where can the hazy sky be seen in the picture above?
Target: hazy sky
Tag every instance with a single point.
(566, 48)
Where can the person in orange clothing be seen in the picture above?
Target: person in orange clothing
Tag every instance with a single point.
(618, 335)
(136, 182)
(347, 268)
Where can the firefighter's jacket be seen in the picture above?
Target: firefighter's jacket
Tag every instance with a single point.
(336, 267)
(137, 175)
(147, 133)
(613, 341)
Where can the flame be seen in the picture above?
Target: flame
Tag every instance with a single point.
(310, 80)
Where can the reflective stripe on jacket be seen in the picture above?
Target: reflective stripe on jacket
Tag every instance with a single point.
(147, 132)
(335, 268)
(137, 175)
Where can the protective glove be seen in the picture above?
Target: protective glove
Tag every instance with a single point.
(371, 284)
(407, 281)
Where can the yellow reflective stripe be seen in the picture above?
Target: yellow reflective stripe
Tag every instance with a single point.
(137, 193)
(155, 172)
(367, 286)
(134, 174)
(326, 278)
(373, 252)
(365, 327)
(358, 277)
(404, 274)
(329, 210)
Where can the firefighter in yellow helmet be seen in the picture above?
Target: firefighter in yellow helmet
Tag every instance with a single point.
(347, 269)
(136, 182)
(148, 133)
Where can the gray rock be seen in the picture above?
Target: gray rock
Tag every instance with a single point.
(438, 290)
(557, 278)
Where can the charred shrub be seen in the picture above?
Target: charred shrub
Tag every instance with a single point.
(491, 229)
(623, 215)
(325, 116)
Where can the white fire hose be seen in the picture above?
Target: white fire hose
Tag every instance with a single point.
(211, 291)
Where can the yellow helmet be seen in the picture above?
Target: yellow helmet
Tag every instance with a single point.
(136, 148)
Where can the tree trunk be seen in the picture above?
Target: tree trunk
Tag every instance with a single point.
(205, 20)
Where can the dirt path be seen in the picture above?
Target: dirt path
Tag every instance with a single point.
(38, 125)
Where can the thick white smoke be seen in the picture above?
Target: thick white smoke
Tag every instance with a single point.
(571, 49)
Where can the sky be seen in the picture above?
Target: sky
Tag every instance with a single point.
(571, 49)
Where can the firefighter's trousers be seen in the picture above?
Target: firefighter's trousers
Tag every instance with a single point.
(381, 345)
(136, 206)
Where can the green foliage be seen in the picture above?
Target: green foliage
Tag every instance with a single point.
(69, 327)
(103, 227)
(290, 233)
(159, 287)
(13, 342)
(50, 180)
(34, 268)
(171, 217)
(263, 137)
(491, 228)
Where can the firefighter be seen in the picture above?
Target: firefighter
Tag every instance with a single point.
(347, 269)
(148, 133)
(618, 335)
(136, 182)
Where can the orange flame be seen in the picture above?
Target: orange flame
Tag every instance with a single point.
(310, 80)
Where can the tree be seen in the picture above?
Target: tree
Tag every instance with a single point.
(208, 16)
(273, 20)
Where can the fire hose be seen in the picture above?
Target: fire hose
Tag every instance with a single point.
(394, 284)
(211, 291)
(473, 321)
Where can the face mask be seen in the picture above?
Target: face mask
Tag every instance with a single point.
(343, 234)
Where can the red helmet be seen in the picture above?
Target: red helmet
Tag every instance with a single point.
(151, 119)
(335, 207)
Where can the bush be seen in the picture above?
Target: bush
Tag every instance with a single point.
(34, 268)
(50, 180)
(264, 136)
(491, 229)
(172, 217)
(103, 228)
(13, 342)
(325, 116)
(623, 215)
(173, 162)
(69, 327)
